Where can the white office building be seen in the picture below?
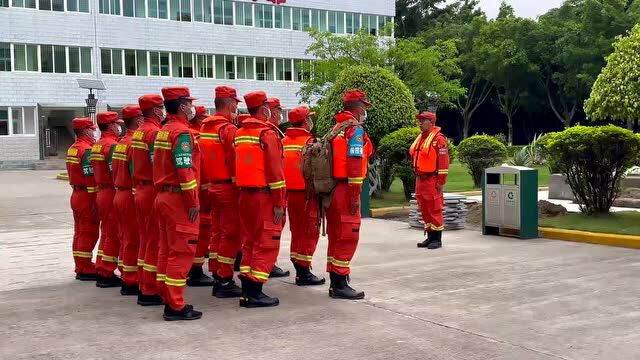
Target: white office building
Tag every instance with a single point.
(138, 46)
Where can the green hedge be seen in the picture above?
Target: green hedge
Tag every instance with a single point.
(480, 152)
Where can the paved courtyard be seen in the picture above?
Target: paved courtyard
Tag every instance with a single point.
(477, 298)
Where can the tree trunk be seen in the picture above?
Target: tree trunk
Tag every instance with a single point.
(510, 129)
(466, 125)
(375, 185)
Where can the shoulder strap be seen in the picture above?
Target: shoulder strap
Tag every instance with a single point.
(340, 127)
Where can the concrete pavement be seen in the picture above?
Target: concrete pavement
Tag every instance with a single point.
(477, 298)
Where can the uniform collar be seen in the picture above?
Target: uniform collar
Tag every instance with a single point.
(177, 119)
(108, 135)
(435, 129)
(86, 139)
(153, 120)
(297, 131)
(344, 116)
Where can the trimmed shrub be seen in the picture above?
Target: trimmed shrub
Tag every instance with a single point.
(594, 160)
(394, 149)
(480, 152)
(392, 109)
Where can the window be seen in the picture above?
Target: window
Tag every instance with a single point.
(205, 66)
(180, 10)
(388, 29)
(5, 57)
(336, 22)
(158, 9)
(29, 4)
(264, 16)
(302, 69)
(371, 23)
(182, 65)
(202, 10)
(306, 19)
(284, 70)
(111, 61)
(17, 120)
(174, 9)
(244, 14)
(55, 5)
(133, 8)
(319, 19)
(264, 69)
(353, 23)
(283, 17)
(223, 12)
(301, 19)
(141, 63)
(245, 67)
(53, 58)
(130, 62)
(73, 5)
(79, 60)
(4, 3)
(25, 57)
(111, 7)
(159, 63)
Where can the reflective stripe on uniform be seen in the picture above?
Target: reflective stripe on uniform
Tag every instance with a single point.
(72, 160)
(198, 260)
(293, 147)
(140, 262)
(129, 268)
(175, 282)
(260, 275)
(161, 277)
(162, 145)
(109, 258)
(189, 185)
(247, 140)
(277, 185)
(149, 268)
(357, 181)
(213, 256)
(245, 269)
(226, 260)
(92, 189)
(139, 145)
(207, 136)
(83, 254)
(117, 156)
(340, 263)
(301, 257)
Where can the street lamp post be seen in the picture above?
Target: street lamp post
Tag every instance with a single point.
(91, 100)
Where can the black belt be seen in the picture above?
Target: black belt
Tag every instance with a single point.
(144, 182)
(256, 189)
(105, 186)
(79, 188)
(427, 175)
(173, 189)
(228, 181)
(120, 188)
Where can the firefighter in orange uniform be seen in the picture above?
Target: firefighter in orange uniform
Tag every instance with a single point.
(124, 203)
(301, 207)
(176, 162)
(152, 107)
(431, 164)
(216, 141)
(351, 152)
(260, 177)
(196, 276)
(86, 225)
(109, 246)
(276, 120)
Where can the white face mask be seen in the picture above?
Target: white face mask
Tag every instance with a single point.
(96, 135)
(364, 116)
(268, 113)
(164, 114)
(192, 114)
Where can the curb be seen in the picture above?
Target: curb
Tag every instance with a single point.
(390, 212)
(626, 241)
(479, 192)
(62, 176)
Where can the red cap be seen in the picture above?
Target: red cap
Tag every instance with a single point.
(274, 103)
(227, 92)
(426, 115)
(108, 117)
(255, 99)
(82, 123)
(243, 117)
(148, 102)
(130, 112)
(177, 92)
(355, 95)
(298, 114)
(200, 110)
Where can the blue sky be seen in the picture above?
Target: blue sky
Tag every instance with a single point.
(525, 8)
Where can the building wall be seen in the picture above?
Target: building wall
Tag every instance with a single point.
(19, 148)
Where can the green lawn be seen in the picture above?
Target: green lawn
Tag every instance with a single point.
(458, 180)
(623, 223)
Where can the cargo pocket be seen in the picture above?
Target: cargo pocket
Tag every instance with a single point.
(187, 237)
(270, 235)
(350, 228)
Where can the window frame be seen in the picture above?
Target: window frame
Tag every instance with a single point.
(10, 121)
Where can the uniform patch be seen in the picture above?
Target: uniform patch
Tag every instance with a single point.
(434, 144)
(182, 152)
(97, 148)
(163, 135)
(121, 148)
(356, 143)
(87, 168)
(138, 135)
(442, 151)
(72, 152)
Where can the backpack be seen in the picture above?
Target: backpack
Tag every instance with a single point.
(317, 161)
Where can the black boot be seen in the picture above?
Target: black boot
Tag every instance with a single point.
(236, 264)
(197, 277)
(436, 242)
(226, 288)
(340, 289)
(304, 276)
(427, 241)
(149, 300)
(127, 290)
(108, 282)
(255, 298)
(278, 272)
(187, 313)
(87, 276)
